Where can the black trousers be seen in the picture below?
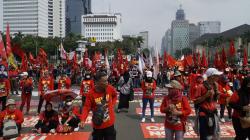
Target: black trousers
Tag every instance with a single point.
(222, 110)
(46, 128)
(104, 134)
(40, 104)
(13, 85)
(123, 101)
(3, 100)
(241, 134)
(74, 122)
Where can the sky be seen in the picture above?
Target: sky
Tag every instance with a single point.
(156, 16)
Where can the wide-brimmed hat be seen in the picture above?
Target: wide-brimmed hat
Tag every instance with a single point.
(10, 102)
(174, 84)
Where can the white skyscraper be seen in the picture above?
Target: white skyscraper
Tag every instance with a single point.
(179, 32)
(35, 17)
(104, 27)
(1, 15)
(209, 27)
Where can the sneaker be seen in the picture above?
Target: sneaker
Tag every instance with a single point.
(152, 120)
(143, 120)
(76, 129)
(222, 120)
(52, 131)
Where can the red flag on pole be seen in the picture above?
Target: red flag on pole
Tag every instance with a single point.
(204, 59)
(18, 51)
(10, 56)
(245, 59)
(2, 52)
(165, 60)
(24, 66)
(32, 59)
(232, 49)
(217, 60)
(223, 58)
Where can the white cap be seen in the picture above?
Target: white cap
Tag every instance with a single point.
(212, 71)
(149, 74)
(25, 74)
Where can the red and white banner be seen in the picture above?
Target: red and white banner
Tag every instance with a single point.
(157, 130)
(70, 136)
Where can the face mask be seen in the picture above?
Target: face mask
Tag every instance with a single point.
(69, 103)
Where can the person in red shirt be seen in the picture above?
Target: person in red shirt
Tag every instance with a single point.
(148, 87)
(26, 86)
(11, 113)
(196, 86)
(177, 108)
(4, 90)
(64, 82)
(45, 84)
(205, 99)
(86, 85)
(13, 74)
(101, 100)
(48, 120)
(241, 108)
(225, 94)
(70, 114)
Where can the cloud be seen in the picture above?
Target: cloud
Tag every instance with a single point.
(156, 15)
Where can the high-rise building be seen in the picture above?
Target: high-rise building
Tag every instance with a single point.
(209, 27)
(145, 37)
(35, 17)
(1, 15)
(26, 16)
(166, 42)
(58, 28)
(103, 27)
(74, 11)
(194, 32)
(179, 32)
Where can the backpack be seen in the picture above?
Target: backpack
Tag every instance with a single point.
(98, 115)
(10, 129)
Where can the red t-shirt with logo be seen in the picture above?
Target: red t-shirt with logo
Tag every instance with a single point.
(182, 106)
(86, 86)
(17, 115)
(201, 90)
(95, 98)
(148, 89)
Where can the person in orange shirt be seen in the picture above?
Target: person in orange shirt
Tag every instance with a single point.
(46, 83)
(225, 94)
(26, 86)
(64, 82)
(4, 89)
(86, 85)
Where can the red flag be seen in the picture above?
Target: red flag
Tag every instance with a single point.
(75, 64)
(194, 59)
(171, 61)
(10, 56)
(24, 66)
(204, 59)
(32, 59)
(188, 61)
(2, 52)
(232, 49)
(18, 51)
(217, 62)
(245, 59)
(42, 57)
(198, 59)
(223, 58)
(42, 53)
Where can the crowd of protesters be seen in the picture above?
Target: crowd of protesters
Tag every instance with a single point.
(208, 89)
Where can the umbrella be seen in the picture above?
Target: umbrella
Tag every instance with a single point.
(59, 95)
